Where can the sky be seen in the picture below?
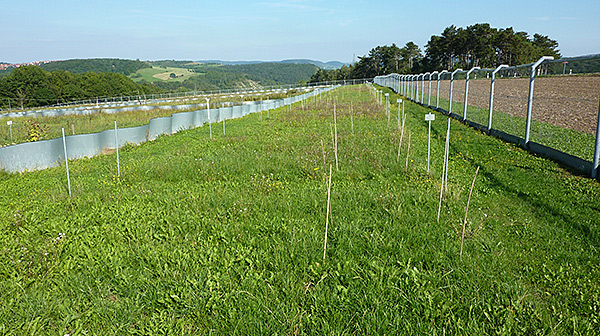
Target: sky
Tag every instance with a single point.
(270, 30)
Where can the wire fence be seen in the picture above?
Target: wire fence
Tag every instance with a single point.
(551, 107)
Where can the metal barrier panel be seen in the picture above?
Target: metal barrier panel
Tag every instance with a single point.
(133, 135)
(159, 126)
(237, 111)
(181, 121)
(32, 155)
(227, 113)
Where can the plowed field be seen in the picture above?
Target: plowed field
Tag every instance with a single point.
(566, 101)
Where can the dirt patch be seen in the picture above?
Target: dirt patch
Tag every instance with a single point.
(108, 151)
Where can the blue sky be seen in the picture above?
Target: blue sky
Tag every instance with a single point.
(269, 30)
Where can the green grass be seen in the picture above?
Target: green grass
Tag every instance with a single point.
(226, 236)
(149, 73)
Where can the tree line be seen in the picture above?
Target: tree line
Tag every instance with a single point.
(122, 66)
(478, 45)
(31, 86)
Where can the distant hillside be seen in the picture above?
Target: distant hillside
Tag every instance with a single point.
(274, 73)
(327, 65)
(212, 76)
(323, 65)
(98, 65)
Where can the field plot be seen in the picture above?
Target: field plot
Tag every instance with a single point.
(163, 74)
(227, 236)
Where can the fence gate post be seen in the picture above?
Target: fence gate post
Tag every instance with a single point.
(530, 99)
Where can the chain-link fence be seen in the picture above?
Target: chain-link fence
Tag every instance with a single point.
(550, 107)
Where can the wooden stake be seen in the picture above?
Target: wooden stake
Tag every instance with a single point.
(466, 211)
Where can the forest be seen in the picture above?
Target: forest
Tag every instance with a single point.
(456, 47)
(122, 66)
(32, 86)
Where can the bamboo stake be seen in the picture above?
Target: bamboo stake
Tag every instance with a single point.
(352, 118)
(328, 212)
(442, 187)
(401, 136)
(335, 141)
(466, 211)
(407, 151)
(323, 150)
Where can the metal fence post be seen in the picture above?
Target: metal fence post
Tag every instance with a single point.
(423, 86)
(451, 88)
(467, 91)
(416, 91)
(66, 160)
(117, 148)
(416, 98)
(530, 99)
(492, 94)
(429, 93)
(595, 163)
(437, 102)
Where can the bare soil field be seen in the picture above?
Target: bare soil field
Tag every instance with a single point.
(565, 101)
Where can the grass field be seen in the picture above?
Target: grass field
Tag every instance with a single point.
(155, 73)
(226, 237)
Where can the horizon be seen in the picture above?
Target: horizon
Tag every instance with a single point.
(269, 30)
(176, 60)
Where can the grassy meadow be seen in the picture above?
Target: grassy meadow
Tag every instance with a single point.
(226, 237)
(157, 73)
